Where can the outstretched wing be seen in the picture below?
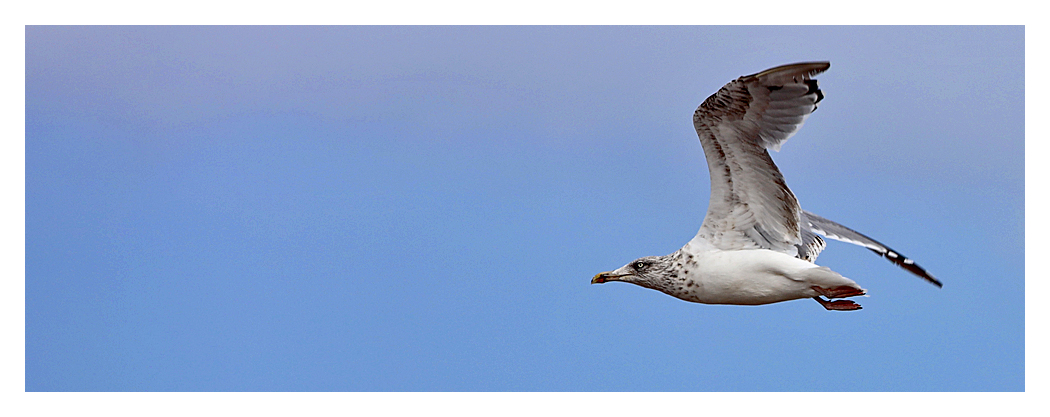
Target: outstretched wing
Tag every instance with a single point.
(751, 206)
(836, 231)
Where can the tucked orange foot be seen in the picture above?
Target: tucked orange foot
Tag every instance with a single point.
(838, 292)
(838, 305)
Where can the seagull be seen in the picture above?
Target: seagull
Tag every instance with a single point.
(756, 245)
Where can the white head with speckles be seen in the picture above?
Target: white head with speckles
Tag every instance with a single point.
(655, 272)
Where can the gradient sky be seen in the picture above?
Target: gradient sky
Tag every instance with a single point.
(422, 209)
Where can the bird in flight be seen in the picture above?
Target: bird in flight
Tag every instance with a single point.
(756, 245)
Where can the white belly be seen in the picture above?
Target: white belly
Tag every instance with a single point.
(750, 277)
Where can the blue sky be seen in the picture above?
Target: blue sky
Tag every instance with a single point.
(422, 208)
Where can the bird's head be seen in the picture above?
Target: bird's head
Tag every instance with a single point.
(650, 272)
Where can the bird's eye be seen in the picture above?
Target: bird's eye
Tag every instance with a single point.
(640, 265)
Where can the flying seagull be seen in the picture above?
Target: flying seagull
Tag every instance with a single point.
(756, 245)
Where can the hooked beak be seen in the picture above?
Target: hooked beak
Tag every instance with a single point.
(605, 277)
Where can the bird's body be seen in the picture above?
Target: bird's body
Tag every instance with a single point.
(752, 277)
(701, 273)
(756, 245)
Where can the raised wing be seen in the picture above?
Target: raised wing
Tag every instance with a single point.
(836, 231)
(751, 206)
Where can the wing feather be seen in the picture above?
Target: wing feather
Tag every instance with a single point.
(832, 230)
(751, 206)
(811, 246)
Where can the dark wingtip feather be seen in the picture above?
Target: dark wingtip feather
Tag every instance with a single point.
(909, 266)
(814, 89)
